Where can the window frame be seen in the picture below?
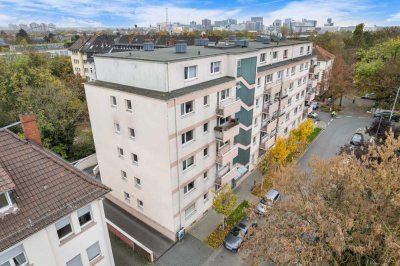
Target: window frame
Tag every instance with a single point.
(275, 55)
(98, 255)
(124, 175)
(128, 105)
(69, 224)
(117, 128)
(285, 53)
(185, 165)
(120, 152)
(134, 161)
(206, 100)
(206, 127)
(187, 72)
(9, 202)
(90, 214)
(112, 100)
(205, 152)
(185, 139)
(131, 130)
(224, 94)
(187, 190)
(184, 108)
(263, 58)
(213, 67)
(138, 182)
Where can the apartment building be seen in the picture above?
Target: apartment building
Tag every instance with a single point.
(50, 212)
(173, 125)
(322, 64)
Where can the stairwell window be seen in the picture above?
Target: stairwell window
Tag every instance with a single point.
(215, 67)
(275, 55)
(131, 133)
(205, 127)
(188, 163)
(186, 108)
(123, 175)
(128, 105)
(120, 152)
(205, 152)
(190, 211)
(262, 58)
(206, 100)
(113, 101)
(190, 72)
(285, 53)
(134, 158)
(117, 128)
(187, 136)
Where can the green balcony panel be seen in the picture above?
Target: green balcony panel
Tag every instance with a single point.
(246, 95)
(248, 69)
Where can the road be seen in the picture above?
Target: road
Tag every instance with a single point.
(338, 132)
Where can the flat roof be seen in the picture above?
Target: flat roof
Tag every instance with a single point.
(193, 52)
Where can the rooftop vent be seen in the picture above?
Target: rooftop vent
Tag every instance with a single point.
(201, 42)
(242, 43)
(181, 47)
(148, 46)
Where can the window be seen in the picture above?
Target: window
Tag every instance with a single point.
(134, 158)
(64, 227)
(293, 70)
(304, 80)
(5, 202)
(190, 211)
(205, 127)
(205, 175)
(254, 140)
(120, 152)
(206, 100)
(255, 121)
(113, 100)
(285, 53)
(275, 55)
(308, 49)
(258, 81)
(291, 86)
(224, 94)
(268, 78)
(190, 72)
(287, 72)
(215, 67)
(93, 251)
(76, 261)
(289, 102)
(140, 204)
(302, 94)
(301, 50)
(127, 197)
(186, 108)
(84, 215)
(295, 110)
(186, 164)
(188, 188)
(297, 96)
(205, 152)
(299, 82)
(187, 136)
(301, 67)
(205, 197)
(257, 102)
(262, 58)
(285, 131)
(131, 132)
(14, 257)
(117, 128)
(128, 105)
(287, 116)
(138, 182)
(280, 74)
(123, 174)
(306, 65)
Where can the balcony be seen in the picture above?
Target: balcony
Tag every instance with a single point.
(226, 174)
(227, 131)
(284, 96)
(267, 143)
(265, 123)
(228, 107)
(266, 106)
(226, 153)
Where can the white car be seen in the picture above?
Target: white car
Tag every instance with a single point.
(313, 115)
(267, 201)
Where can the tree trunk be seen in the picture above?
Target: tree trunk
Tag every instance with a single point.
(341, 98)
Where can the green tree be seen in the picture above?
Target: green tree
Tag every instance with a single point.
(21, 36)
(224, 202)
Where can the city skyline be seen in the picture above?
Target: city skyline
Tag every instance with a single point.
(123, 13)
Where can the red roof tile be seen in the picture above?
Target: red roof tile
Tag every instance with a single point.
(322, 54)
(46, 188)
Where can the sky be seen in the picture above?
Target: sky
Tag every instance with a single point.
(127, 13)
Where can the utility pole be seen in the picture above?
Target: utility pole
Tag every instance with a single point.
(394, 104)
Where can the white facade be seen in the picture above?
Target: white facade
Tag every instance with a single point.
(45, 248)
(152, 173)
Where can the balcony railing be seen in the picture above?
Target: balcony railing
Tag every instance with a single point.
(228, 107)
(228, 130)
(226, 174)
(226, 153)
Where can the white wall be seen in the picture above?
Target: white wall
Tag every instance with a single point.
(141, 74)
(44, 247)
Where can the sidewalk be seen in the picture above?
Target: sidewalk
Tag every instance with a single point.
(210, 221)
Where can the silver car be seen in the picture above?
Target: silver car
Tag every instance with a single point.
(267, 201)
(235, 238)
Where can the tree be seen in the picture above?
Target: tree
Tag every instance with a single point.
(340, 79)
(224, 202)
(21, 36)
(267, 164)
(347, 212)
(304, 130)
(280, 151)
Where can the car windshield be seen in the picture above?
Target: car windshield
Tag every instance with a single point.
(235, 231)
(263, 201)
(357, 137)
(242, 225)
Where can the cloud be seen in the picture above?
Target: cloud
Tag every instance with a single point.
(343, 12)
(394, 17)
(5, 19)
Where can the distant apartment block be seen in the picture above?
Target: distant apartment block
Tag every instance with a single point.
(173, 125)
(50, 212)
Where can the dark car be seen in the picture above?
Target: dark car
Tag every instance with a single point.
(357, 139)
(386, 115)
(234, 239)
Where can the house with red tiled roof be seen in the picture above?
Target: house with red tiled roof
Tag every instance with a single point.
(50, 212)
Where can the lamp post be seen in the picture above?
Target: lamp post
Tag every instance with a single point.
(394, 104)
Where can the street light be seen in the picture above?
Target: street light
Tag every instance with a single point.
(394, 104)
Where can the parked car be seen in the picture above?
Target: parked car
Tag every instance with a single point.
(267, 201)
(369, 96)
(314, 105)
(235, 238)
(357, 139)
(386, 115)
(313, 115)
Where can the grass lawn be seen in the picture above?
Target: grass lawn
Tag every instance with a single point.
(314, 134)
(216, 238)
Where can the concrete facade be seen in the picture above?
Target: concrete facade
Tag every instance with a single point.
(45, 248)
(232, 109)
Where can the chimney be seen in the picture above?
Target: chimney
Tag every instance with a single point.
(30, 128)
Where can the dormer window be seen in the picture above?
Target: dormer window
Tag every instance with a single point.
(5, 202)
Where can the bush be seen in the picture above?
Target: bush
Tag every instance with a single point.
(216, 238)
